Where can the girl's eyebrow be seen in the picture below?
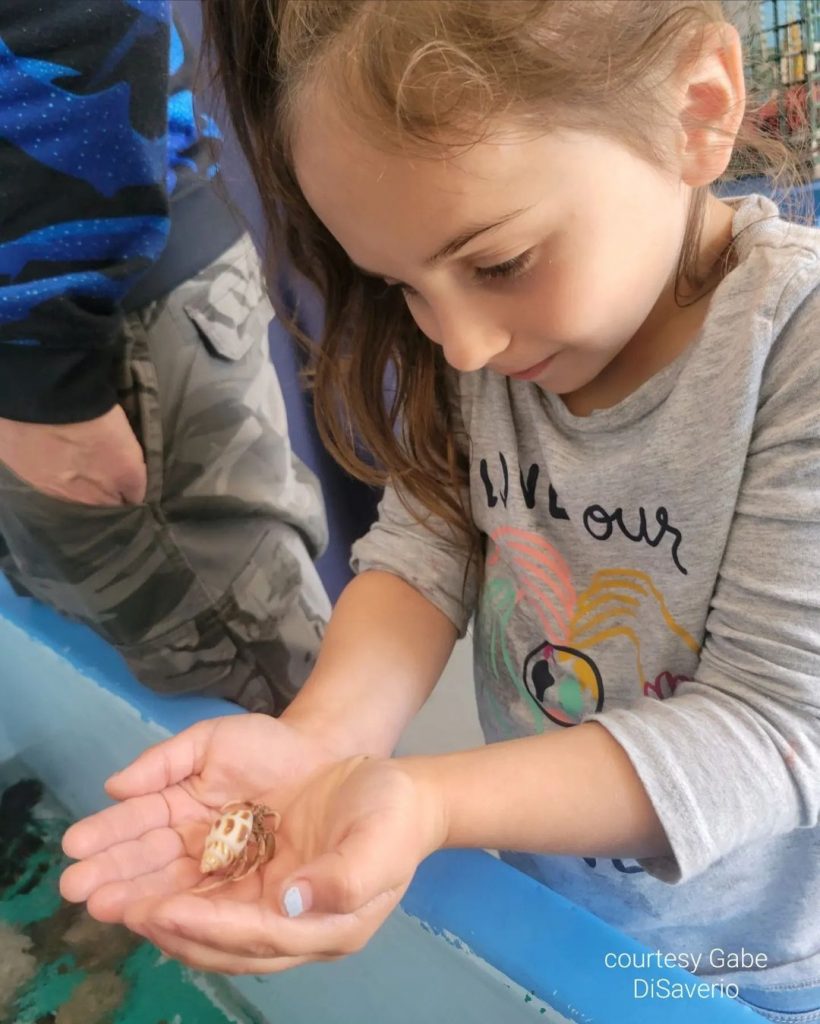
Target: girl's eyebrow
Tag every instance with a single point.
(463, 238)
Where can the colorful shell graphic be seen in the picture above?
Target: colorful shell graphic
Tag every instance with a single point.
(565, 683)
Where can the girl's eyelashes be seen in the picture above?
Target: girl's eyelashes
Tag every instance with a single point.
(509, 269)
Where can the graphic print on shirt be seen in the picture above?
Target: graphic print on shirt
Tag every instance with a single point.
(560, 680)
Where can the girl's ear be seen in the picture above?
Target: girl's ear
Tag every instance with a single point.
(711, 106)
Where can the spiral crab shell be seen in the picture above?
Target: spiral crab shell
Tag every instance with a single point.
(238, 843)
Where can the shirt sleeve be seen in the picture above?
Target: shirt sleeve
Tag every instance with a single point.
(83, 200)
(734, 756)
(426, 555)
(421, 548)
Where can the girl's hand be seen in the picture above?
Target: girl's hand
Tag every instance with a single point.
(347, 848)
(149, 844)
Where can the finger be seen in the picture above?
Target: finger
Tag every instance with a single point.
(112, 903)
(254, 929)
(118, 824)
(133, 485)
(366, 864)
(83, 491)
(205, 958)
(164, 764)
(122, 862)
(125, 456)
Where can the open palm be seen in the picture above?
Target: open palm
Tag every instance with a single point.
(149, 844)
(352, 834)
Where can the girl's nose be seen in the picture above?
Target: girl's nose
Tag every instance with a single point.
(470, 343)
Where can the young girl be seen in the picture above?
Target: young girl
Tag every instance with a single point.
(601, 438)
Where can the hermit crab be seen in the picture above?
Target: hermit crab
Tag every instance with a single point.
(239, 842)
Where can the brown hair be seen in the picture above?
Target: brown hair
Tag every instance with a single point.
(423, 72)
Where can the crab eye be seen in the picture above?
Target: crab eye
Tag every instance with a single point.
(565, 683)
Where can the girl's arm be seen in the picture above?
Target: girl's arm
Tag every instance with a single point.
(573, 793)
(576, 792)
(385, 647)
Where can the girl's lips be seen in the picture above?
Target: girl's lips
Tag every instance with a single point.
(534, 371)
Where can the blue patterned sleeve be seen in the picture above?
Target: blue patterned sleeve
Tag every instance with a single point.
(83, 193)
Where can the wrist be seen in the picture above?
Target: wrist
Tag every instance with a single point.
(343, 735)
(316, 727)
(346, 716)
(434, 809)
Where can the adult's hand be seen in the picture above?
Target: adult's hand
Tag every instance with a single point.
(98, 462)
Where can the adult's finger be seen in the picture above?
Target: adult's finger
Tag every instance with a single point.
(119, 458)
(132, 481)
(84, 491)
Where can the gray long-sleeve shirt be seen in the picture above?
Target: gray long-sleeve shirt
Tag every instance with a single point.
(655, 567)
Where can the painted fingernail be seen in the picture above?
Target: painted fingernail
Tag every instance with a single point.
(296, 900)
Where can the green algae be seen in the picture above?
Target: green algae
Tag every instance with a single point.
(75, 970)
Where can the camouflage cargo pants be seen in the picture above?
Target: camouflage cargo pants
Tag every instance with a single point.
(208, 586)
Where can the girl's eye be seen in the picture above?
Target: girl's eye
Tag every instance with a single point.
(509, 269)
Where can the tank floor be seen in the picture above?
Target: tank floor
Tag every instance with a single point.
(60, 966)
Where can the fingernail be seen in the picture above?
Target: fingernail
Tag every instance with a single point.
(297, 899)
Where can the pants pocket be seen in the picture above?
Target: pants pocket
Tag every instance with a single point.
(207, 586)
(112, 567)
(126, 572)
(115, 568)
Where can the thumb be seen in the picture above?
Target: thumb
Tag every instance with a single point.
(363, 867)
(121, 453)
(132, 482)
(131, 473)
(164, 764)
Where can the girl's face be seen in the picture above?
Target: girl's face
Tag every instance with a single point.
(540, 259)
